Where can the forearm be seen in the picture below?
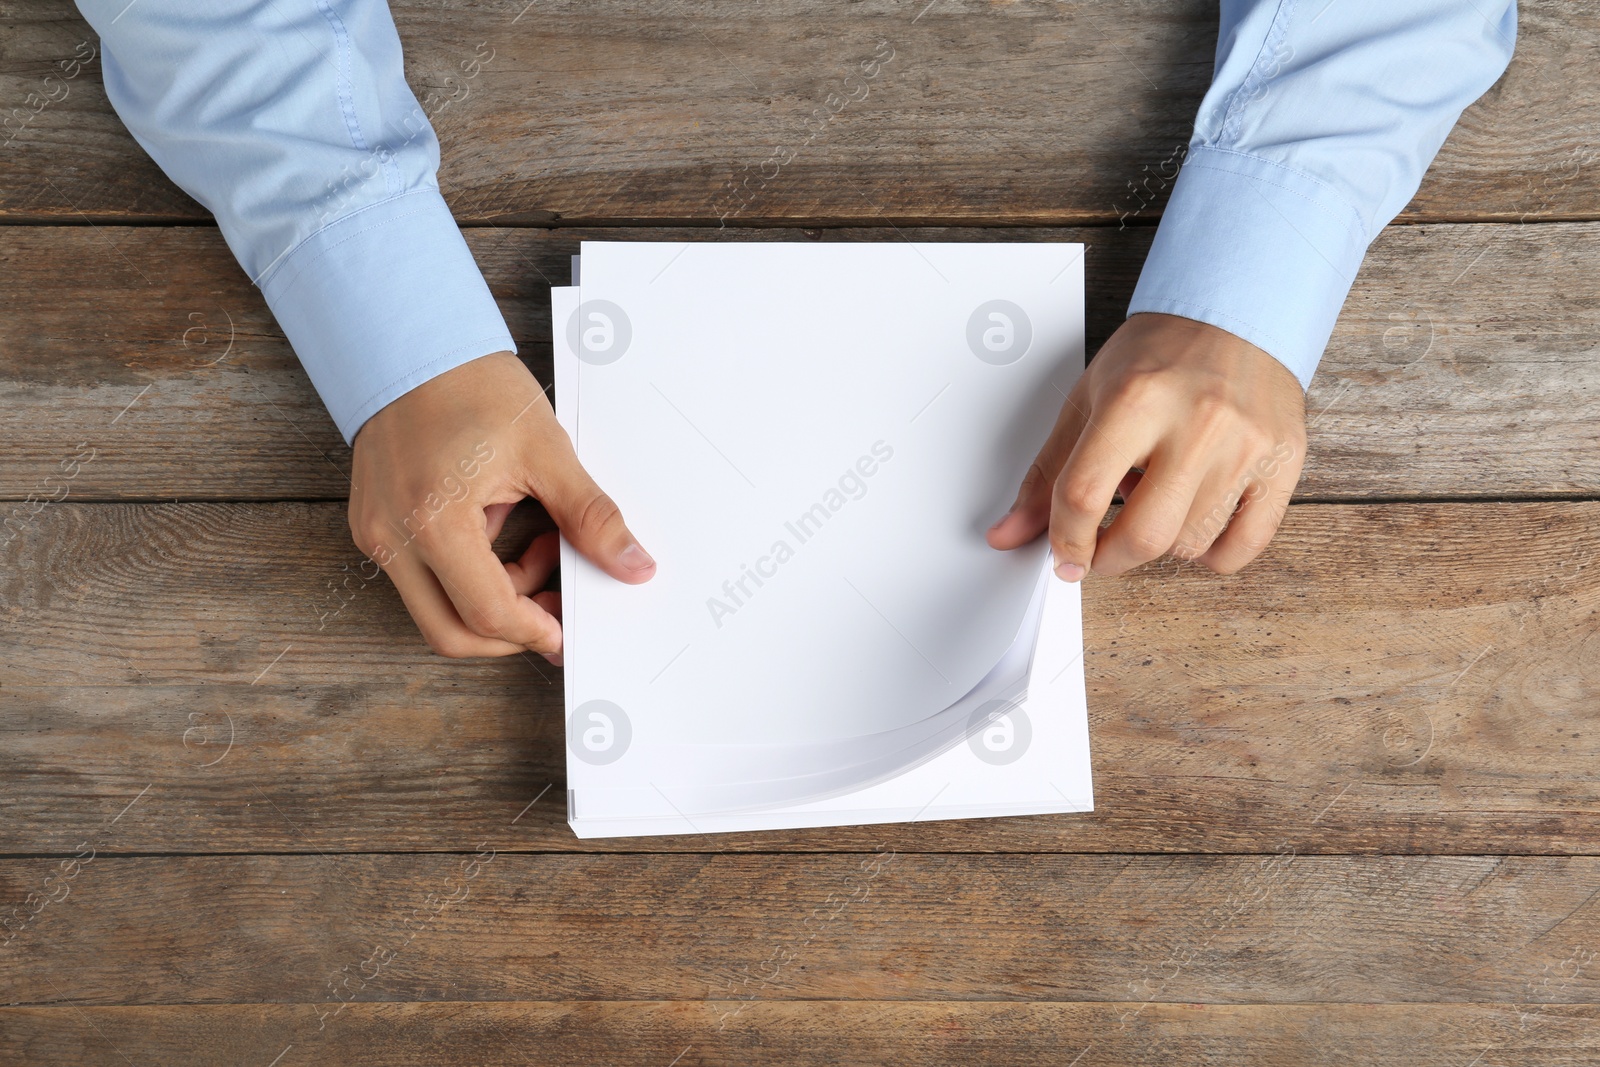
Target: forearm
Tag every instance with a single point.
(1316, 131)
(293, 124)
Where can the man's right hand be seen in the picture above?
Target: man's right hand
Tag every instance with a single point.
(436, 473)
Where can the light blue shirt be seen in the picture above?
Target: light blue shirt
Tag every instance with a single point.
(1321, 118)
(291, 121)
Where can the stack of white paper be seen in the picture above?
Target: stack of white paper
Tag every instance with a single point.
(811, 440)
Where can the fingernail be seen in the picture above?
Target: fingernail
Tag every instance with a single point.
(1069, 572)
(1001, 521)
(635, 558)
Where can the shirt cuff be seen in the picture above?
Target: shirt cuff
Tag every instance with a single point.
(382, 300)
(1256, 248)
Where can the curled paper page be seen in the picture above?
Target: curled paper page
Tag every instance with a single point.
(814, 478)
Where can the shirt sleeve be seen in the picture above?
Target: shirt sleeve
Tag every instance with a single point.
(291, 121)
(1318, 126)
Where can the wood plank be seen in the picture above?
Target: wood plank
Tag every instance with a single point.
(148, 351)
(701, 1034)
(320, 929)
(149, 347)
(1394, 678)
(986, 113)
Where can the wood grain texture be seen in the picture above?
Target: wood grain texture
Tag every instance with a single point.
(702, 1034)
(1389, 678)
(1027, 112)
(879, 927)
(1358, 782)
(148, 346)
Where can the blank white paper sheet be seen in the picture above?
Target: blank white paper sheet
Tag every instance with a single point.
(811, 440)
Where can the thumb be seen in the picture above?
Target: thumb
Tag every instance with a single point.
(590, 519)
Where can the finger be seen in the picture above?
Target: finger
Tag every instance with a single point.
(481, 589)
(1149, 523)
(1083, 490)
(494, 518)
(436, 616)
(1260, 513)
(1213, 508)
(550, 601)
(531, 572)
(1030, 513)
(589, 518)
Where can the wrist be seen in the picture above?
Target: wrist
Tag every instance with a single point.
(453, 395)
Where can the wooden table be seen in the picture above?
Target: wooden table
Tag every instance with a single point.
(1349, 801)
